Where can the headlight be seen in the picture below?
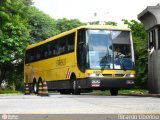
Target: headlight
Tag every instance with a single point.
(94, 75)
(130, 75)
(91, 75)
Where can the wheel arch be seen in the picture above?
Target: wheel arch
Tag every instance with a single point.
(73, 75)
(34, 80)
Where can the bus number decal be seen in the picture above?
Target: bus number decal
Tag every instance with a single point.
(61, 62)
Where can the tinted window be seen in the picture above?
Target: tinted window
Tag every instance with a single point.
(81, 50)
(120, 37)
(57, 47)
(154, 39)
(70, 43)
(158, 37)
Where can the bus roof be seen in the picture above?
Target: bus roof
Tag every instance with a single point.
(108, 27)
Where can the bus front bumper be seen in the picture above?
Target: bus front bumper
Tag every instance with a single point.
(106, 83)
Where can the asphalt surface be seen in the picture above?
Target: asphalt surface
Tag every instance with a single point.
(84, 104)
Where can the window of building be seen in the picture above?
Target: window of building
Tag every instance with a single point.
(158, 37)
(153, 39)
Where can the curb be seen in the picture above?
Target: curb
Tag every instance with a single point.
(10, 94)
(142, 95)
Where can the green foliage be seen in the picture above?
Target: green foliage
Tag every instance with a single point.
(111, 23)
(9, 90)
(137, 28)
(14, 34)
(105, 23)
(140, 45)
(122, 92)
(65, 24)
(15, 77)
(14, 30)
(42, 25)
(133, 91)
(22, 24)
(94, 23)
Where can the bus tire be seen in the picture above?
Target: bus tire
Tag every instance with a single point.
(62, 92)
(65, 92)
(75, 90)
(35, 87)
(114, 91)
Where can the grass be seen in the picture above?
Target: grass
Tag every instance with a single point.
(122, 91)
(134, 91)
(8, 91)
(97, 92)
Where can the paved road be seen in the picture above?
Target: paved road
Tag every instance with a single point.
(78, 104)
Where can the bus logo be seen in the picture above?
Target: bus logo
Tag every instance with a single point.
(61, 62)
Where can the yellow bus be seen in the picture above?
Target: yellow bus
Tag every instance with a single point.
(91, 57)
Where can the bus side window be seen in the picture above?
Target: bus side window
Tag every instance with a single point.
(43, 52)
(53, 48)
(49, 50)
(46, 50)
(38, 53)
(57, 45)
(32, 55)
(62, 45)
(70, 42)
(27, 56)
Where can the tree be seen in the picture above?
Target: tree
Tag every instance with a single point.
(42, 25)
(140, 45)
(14, 34)
(111, 23)
(22, 24)
(65, 24)
(105, 23)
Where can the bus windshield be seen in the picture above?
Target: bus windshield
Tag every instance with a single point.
(109, 49)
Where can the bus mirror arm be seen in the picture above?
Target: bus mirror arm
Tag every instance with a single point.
(83, 46)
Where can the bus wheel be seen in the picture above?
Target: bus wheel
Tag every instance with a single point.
(75, 91)
(114, 91)
(35, 87)
(65, 92)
